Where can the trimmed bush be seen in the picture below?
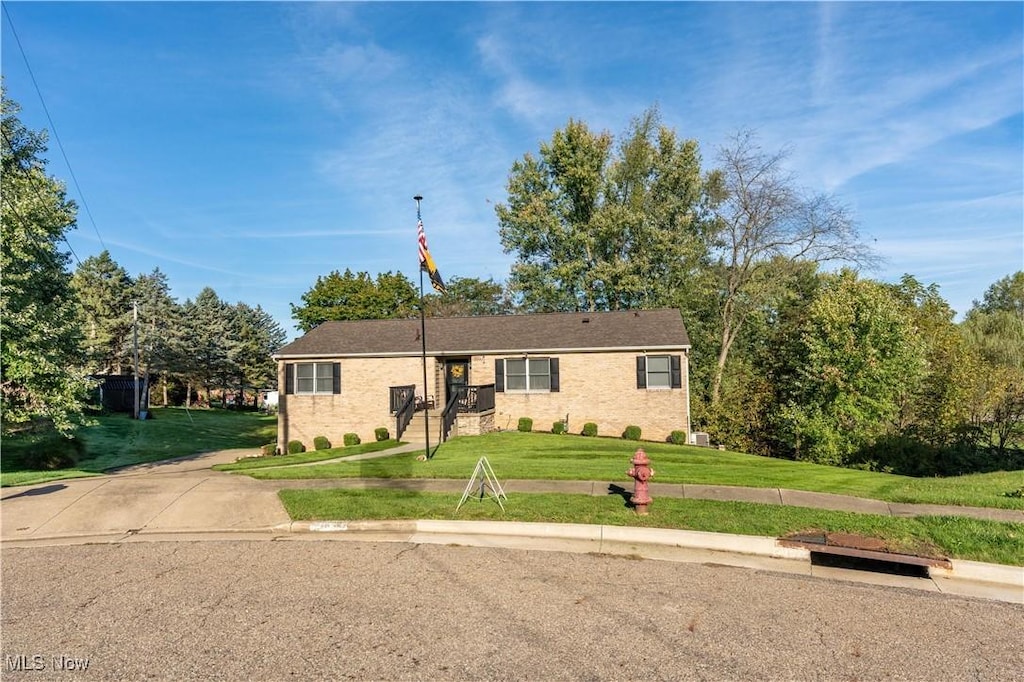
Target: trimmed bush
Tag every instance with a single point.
(525, 424)
(677, 438)
(352, 439)
(295, 447)
(381, 434)
(321, 443)
(590, 429)
(632, 432)
(268, 450)
(558, 427)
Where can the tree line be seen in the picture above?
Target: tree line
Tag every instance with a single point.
(796, 353)
(61, 329)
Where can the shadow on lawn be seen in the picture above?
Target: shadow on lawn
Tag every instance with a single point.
(626, 495)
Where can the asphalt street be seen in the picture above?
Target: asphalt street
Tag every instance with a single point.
(326, 610)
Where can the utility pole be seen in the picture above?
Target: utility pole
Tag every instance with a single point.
(135, 343)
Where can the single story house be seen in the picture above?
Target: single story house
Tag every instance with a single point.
(484, 373)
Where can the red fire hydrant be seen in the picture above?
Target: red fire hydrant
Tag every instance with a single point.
(640, 472)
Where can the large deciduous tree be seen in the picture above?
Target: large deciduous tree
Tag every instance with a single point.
(355, 296)
(40, 331)
(764, 220)
(994, 327)
(469, 296)
(858, 350)
(595, 226)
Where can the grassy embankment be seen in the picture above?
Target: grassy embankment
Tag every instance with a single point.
(117, 440)
(516, 455)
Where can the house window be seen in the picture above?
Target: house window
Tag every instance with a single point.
(526, 374)
(317, 377)
(659, 371)
(659, 374)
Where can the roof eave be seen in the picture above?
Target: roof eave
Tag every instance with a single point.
(497, 351)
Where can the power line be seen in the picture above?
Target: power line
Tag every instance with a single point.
(53, 128)
(41, 250)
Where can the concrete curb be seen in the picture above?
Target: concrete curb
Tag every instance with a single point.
(985, 573)
(684, 539)
(966, 578)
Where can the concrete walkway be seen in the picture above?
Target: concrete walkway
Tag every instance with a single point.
(186, 499)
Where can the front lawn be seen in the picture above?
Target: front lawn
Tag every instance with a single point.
(515, 455)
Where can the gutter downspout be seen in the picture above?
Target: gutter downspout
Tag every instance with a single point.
(689, 428)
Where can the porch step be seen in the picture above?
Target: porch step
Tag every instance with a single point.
(414, 432)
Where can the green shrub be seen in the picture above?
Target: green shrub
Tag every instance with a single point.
(321, 443)
(677, 438)
(590, 429)
(42, 451)
(381, 433)
(295, 447)
(269, 450)
(525, 424)
(558, 427)
(352, 439)
(632, 432)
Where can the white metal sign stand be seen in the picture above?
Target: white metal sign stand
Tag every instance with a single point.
(488, 484)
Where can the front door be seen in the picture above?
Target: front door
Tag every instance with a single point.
(456, 375)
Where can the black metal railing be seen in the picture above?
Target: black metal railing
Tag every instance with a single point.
(476, 398)
(401, 402)
(448, 415)
(399, 394)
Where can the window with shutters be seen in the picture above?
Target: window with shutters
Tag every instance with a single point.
(314, 377)
(659, 371)
(530, 374)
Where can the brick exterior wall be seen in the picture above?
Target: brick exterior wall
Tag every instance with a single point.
(597, 387)
(362, 406)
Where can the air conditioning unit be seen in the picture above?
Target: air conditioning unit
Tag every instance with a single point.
(701, 438)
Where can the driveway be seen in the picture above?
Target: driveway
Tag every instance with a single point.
(183, 495)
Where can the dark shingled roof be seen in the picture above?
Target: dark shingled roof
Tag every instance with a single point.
(635, 330)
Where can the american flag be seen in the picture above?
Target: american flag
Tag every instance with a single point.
(427, 262)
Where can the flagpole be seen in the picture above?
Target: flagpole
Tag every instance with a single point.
(423, 340)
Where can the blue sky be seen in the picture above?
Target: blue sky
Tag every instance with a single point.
(252, 147)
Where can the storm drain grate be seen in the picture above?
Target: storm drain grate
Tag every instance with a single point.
(857, 552)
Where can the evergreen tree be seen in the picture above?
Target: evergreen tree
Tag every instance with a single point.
(105, 294)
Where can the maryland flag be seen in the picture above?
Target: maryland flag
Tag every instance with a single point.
(427, 262)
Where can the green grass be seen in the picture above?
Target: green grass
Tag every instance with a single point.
(955, 537)
(515, 455)
(117, 440)
(305, 457)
